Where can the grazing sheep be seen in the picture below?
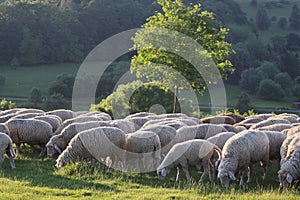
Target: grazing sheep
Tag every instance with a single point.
(275, 141)
(138, 121)
(230, 128)
(202, 131)
(30, 131)
(5, 118)
(293, 131)
(4, 129)
(27, 115)
(10, 111)
(237, 118)
(125, 125)
(285, 145)
(102, 115)
(143, 150)
(269, 122)
(251, 120)
(240, 152)
(99, 143)
(30, 111)
(140, 114)
(293, 145)
(7, 147)
(55, 122)
(63, 114)
(195, 152)
(173, 115)
(275, 127)
(290, 118)
(58, 143)
(240, 128)
(218, 120)
(265, 116)
(290, 170)
(166, 135)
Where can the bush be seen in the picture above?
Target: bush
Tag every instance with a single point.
(270, 90)
(138, 97)
(57, 101)
(250, 79)
(6, 105)
(269, 69)
(243, 104)
(35, 95)
(63, 85)
(285, 81)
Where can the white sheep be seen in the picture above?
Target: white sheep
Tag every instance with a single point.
(54, 121)
(63, 114)
(275, 127)
(27, 115)
(6, 117)
(195, 152)
(30, 131)
(143, 151)
(58, 143)
(285, 145)
(275, 141)
(202, 131)
(30, 110)
(268, 122)
(4, 129)
(240, 152)
(6, 147)
(166, 135)
(99, 143)
(290, 169)
(125, 125)
(293, 131)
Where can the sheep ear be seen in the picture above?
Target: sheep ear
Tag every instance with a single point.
(163, 172)
(289, 178)
(231, 176)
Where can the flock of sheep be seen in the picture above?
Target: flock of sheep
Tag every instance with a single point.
(145, 142)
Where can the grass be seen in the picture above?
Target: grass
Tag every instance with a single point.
(37, 178)
(20, 80)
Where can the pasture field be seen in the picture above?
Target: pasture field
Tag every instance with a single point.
(37, 178)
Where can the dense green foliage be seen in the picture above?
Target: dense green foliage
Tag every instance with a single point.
(5, 105)
(35, 95)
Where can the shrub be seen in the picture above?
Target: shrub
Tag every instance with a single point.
(63, 85)
(269, 69)
(285, 81)
(243, 104)
(6, 105)
(57, 101)
(35, 95)
(270, 90)
(250, 79)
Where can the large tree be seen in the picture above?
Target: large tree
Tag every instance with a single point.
(295, 18)
(262, 19)
(162, 29)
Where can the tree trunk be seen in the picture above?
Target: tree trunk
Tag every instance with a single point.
(175, 101)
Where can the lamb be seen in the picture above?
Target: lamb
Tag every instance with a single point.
(275, 127)
(4, 129)
(31, 131)
(143, 150)
(63, 114)
(58, 143)
(269, 122)
(218, 120)
(53, 120)
(202, 131)
(7, 147)
(99, 143)
(192, 152)
(240, 152)
(166, 135)
(290, 170)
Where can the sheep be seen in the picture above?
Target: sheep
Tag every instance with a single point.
(138, 121)
(202, 131)
(5, 118)
(275, 141)
(99, 143)
(7, 147)
(63, 114)
(104, 116)
(265, 116)
(173, 115)
(240, 152)
(237, 118)
(143, 151)
(4, 129)
(293, 131)
(290, 118)
(230, 128)
(125, 125)
(55, 122)
(293, 145)
(240, 128)
(166, 135)
(58, 143)
(290, 170)
(31, 110)
(220, 140)
(140, 114)
(275, 127)
(31, 131)
(218, 120)
(269, 122)
(10, 111)
(285, 145)
(193, 152)
(27, 115)
(251, 120)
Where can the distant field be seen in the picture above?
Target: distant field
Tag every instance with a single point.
(20, 80)
(37, 178)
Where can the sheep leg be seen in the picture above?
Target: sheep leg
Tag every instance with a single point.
(250, 173)
(212, 171)
(178, 174)
(43, 152)
(206, 168)
(185, 168)
(1, 158)
(241, 179)
(264, 164)
(18, 149)
(11, 159)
